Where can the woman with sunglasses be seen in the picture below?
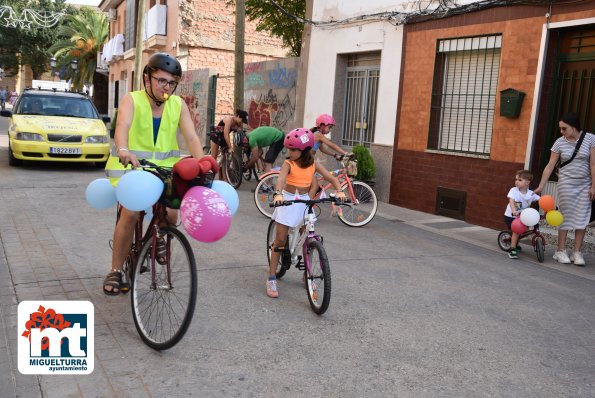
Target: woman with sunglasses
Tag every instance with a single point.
(576, 184)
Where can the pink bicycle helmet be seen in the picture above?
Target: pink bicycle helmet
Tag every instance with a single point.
(325, 119)
(301, 139)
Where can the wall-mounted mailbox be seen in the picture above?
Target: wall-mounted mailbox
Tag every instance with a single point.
(510, 102)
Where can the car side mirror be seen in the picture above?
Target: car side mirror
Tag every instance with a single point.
(106, 119)
(6, 113)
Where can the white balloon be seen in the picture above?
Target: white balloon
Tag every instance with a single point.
(529, 217)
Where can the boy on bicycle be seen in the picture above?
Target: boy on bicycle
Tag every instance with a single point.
(520, 197)
(146, 129)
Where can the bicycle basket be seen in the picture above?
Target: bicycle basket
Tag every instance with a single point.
(175, 188)
(351, 168)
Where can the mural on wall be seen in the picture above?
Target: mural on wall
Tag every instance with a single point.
(194, 90)
(270, 93)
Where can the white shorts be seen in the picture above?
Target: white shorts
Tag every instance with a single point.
(293, 215)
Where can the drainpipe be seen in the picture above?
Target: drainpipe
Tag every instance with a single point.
(140, 34)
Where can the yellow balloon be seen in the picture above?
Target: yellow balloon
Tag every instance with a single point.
(554, 218)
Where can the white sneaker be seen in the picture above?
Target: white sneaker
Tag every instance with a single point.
(561, 257)
(577, 258)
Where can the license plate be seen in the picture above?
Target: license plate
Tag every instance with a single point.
(68, 151)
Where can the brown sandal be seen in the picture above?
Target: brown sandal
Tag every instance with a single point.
(161, 250)
(113, 280)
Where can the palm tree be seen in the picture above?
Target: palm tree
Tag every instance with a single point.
(81, 37)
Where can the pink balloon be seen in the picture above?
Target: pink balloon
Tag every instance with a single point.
(204, 214)
(518, 227)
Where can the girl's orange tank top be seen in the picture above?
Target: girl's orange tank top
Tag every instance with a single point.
(298, 176)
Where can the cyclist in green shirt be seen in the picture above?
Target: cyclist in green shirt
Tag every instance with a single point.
(262, 137)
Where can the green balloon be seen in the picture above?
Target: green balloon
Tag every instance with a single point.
(175, 203)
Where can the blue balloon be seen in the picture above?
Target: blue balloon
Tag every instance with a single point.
(138, 189)
(228, 193)
(101, 194)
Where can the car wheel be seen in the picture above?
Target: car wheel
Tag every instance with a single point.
(11, 159)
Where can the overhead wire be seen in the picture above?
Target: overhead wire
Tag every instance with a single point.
(444, 8)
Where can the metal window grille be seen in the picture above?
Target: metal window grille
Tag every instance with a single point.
(464, 94)
(361, 96)
(360, 107)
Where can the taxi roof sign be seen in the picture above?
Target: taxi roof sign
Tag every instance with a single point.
(49, 85)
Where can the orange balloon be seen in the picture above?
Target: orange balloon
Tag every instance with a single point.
(547, 203)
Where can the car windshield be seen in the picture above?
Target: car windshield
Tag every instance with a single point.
(57, 106)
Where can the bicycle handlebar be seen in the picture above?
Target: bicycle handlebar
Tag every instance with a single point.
(309, 202)
(162, 171)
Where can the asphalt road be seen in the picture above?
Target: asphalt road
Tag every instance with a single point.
(414, 313)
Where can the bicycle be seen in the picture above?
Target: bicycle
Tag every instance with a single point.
(313, 261)
(360, 210)
(256, 170)
(163, 287)
(537, 241)
(230, 161)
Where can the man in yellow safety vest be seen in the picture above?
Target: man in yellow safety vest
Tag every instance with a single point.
(146, 129)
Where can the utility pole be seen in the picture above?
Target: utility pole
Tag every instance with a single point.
(140, 35)
(238, 91)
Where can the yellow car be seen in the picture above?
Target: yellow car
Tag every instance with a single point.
(48, 125)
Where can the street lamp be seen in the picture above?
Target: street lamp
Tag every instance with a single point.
(74, 64)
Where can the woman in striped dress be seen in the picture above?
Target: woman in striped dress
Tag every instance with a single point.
(576, 185)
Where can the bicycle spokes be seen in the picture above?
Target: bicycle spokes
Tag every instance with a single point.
(164, 295)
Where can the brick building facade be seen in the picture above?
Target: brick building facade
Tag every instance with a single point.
(468, 183)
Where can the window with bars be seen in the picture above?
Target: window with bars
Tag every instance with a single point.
(464, 94)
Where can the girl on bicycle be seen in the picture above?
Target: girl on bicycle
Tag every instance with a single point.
(296, 180)
(324, 124)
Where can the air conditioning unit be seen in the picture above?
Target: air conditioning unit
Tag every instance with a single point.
(111, 14)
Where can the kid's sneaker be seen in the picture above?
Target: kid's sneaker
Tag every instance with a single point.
(513, 254)
(272, 288)
(561, 257)
(577, 259)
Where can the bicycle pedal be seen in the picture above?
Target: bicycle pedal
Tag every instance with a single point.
(279, 249)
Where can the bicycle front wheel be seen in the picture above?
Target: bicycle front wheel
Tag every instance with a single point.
(163, 305)
(318, 277)
(363, 206)
(233, 170)
(264, 192)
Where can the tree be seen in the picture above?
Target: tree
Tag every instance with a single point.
(81, 37)
(29, 45)
(271, 19)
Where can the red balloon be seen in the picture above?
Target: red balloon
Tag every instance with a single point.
(518, 227)
(209, 163)
(187, 168)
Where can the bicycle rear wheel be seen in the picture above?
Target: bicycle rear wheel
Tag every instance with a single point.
(318, 277)
(363, 206)
(233, 170)
(285, 259)
(163, 312)
(264, 192)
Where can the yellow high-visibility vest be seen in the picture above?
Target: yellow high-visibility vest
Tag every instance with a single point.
(165, 152)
